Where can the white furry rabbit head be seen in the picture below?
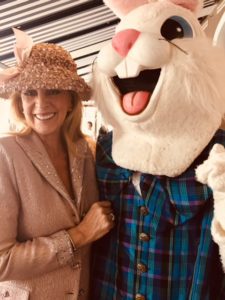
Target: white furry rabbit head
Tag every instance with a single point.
(160, 83)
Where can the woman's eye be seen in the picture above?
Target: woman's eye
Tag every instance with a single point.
(53, 92)
(30, 93)
(176, 28)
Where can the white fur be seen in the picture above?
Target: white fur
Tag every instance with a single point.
(212, 172)
(218, 235)
(186, 107)
(123, 7)
(193, 5)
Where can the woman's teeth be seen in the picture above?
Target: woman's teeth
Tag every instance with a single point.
(42, 117)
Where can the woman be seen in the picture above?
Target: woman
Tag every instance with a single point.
(48, 217)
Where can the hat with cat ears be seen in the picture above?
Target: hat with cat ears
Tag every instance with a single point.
(41, 66)
(123, 7)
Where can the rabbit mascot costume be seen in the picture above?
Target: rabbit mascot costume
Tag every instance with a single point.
(160, 83)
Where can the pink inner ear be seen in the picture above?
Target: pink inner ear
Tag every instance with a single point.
(193, 5)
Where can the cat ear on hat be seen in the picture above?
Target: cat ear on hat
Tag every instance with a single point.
(23, 46)
(22, 50)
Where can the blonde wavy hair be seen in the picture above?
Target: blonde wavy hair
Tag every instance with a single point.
(71, 127)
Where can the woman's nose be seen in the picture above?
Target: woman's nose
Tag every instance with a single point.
(41, 99)
(124, 40)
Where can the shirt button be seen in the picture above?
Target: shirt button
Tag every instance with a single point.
(81, 292)
(144, 237)
(142, 268)
(139, 297)
(144, 211)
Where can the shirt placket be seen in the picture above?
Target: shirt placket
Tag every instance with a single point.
(143, 240)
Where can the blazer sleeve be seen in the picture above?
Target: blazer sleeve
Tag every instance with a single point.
(33, 257)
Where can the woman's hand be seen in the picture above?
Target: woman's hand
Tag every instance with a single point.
(98, 221)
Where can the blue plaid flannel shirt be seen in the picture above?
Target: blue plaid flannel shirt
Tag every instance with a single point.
(161, 247)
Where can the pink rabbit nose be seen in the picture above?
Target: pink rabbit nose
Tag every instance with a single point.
(124, 40)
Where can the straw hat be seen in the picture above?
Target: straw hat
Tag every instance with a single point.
(41, 66)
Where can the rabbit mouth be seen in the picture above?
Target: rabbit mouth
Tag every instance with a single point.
(136, 92)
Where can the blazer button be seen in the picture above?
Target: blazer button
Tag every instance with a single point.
(144, 237)
(76, 265)
(139, 297)
(69, 293)
(144, 211)
(141, 268)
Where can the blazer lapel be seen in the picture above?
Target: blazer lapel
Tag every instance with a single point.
(35, 150)
(77, 169)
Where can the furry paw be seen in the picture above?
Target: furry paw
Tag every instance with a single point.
(212, 171)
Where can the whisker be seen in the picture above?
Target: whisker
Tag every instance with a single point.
(182, 50)
(93, 64)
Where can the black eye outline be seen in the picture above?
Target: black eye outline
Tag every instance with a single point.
(176, 27)
(30, 93)
(49, 92)
(53, 92)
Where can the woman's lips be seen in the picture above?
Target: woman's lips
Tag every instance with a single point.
(43, 117)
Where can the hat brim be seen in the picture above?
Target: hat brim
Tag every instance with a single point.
(46, 78)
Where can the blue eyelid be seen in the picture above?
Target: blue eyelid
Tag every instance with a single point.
(188, 32)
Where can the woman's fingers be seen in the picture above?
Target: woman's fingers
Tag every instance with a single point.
(103, 207)
(98, 221)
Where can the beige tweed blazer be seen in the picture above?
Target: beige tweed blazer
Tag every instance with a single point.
(36, 258)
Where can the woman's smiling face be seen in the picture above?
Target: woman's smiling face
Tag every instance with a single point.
(45, 110)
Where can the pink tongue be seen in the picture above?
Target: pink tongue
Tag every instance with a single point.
(135, 102)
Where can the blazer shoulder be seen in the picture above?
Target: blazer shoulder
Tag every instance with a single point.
(7, 143)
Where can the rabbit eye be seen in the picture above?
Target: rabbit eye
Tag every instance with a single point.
(176, 28)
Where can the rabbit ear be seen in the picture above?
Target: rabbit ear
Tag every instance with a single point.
(193, 5)
(123, 7)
